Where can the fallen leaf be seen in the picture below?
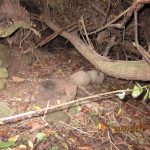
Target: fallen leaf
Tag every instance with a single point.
(34, 124)
(13, 138)
(120, 112)
(30, 144)
(85, 110)
(47, 132)
(102, 126)
(36, 107)
(4, 132)
(17, 79)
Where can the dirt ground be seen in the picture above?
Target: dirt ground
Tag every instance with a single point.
(108, 123)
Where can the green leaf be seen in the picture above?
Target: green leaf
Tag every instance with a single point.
(137, 91)
(54, 148)
(41, 136)
(121, 95)
(6, 144)
(110, 123)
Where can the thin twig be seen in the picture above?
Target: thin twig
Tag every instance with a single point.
(85, 32)
(60, 106)
(75, 128)
(20, 44)
(111, 143)
(111, 22)
(140, 49)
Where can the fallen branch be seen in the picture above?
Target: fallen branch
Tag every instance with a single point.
(59, 107)
(130, 70)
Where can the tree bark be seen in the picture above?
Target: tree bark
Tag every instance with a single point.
(131, 70)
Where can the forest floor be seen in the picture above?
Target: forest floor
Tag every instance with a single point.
(106, 123)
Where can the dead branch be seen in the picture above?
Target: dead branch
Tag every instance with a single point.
(131, 70)
(58, 107)
(141, 50)
(48, 39)
(111, 23)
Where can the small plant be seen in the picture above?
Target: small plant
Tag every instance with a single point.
(7, 144)
(136, 92)
(54, 148)
(41, 136)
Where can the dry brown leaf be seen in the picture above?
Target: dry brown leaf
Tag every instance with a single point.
(33, 124)
(13, 138)
(120, 112)
(47, 132)
(4, 132)
(17, 79)
(102, 126)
